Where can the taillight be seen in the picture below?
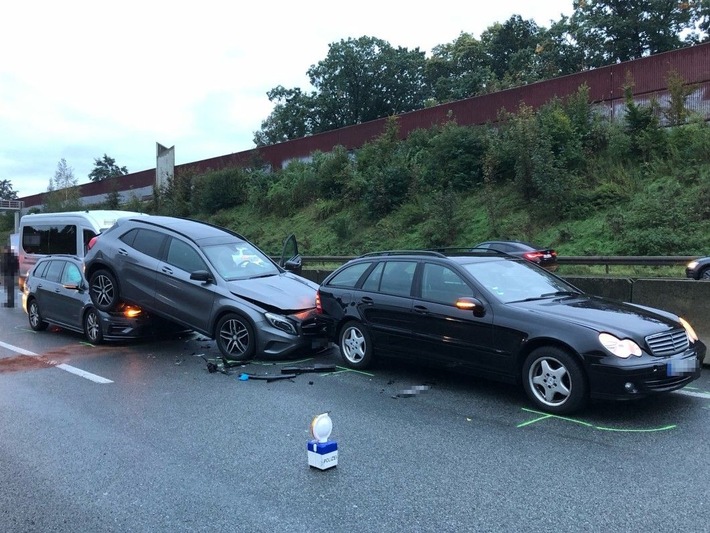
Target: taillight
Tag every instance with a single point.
(533, 256)
(92, 242)
(319, 307)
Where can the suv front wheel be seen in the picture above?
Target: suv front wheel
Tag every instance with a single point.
(103, 289)
(235, 337)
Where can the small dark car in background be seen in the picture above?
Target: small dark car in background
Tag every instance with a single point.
(505, 318)
(56, 292)
(698, 268)
(545, 257)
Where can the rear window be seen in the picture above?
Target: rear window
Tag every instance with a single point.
(349, 276)
(49, 239)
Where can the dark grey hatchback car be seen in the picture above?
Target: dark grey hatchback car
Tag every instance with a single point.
(209, 279)
(56, 292)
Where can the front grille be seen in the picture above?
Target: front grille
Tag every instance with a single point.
(670, 343)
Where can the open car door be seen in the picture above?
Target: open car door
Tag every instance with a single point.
(291, 260)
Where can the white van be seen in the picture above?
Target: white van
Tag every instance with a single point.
(60, 233)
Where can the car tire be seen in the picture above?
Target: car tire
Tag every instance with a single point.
(92, 327)
(704, 274)
(235, 337)
(554, 380)
(103, 289)
(356, 345)
(35, 316)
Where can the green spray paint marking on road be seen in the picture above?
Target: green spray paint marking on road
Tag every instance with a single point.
(545, 416)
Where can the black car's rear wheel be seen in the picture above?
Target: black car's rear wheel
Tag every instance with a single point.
(35, 317)
(235, 337)
(554, 380)
(92, 327)
(104, 290)
(356, 345)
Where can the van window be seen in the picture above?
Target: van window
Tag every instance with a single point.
(49, 239)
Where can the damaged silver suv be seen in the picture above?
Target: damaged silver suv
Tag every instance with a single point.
(208, 279)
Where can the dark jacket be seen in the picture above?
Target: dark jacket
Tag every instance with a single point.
(10, 265)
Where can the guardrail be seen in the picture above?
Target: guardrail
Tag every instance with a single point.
(598, 260)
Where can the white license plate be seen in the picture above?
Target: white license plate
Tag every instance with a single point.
(682, 366)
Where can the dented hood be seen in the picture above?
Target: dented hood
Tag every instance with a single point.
(284, 291)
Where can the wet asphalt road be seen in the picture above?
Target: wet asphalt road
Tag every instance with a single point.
(161, 444)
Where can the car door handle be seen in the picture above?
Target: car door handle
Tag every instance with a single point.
(57, 290)
(166, 270)
(366, 300)
(122, 251)
(421, 309)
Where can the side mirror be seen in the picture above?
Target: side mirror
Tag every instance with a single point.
(201, 275)
(72, 286)
(473, 304)
(294, 264)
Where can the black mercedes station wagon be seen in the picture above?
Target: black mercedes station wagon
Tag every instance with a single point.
(508, 319)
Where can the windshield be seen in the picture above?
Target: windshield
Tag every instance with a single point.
(239, 260)
(513, 281)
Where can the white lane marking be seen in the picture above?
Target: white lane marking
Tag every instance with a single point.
(84, 373)
(62, 366)
(704, 395)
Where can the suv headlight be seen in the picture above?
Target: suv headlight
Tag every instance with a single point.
(281, 323)
(623, 348)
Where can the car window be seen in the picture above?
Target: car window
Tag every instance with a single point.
(397, 277)
(88, 235)
(349, 275)
(372, 283)
(40, 268)
(511, 281)
(239, 260)
(443, 285)
(54, 271)
(149, 242)
(182, 255)
(71, 275)
(129, 237)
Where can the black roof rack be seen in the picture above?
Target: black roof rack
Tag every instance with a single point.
(469, 251)
(433, 253)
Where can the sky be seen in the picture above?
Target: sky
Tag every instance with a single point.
(80, 79)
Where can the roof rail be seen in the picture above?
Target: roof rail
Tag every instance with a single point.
(469, 251)
(433, 253)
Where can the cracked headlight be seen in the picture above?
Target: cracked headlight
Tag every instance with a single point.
(281, 323)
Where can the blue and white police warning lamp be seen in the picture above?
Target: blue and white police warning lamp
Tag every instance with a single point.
(322, 453)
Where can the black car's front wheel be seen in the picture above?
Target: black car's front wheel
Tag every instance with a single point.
(92, 327)
(104, 290)
(35, 317)
(235, 337)
(554, 380)
(356, 345)
(704, 273)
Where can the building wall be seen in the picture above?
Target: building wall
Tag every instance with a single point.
(606, 90)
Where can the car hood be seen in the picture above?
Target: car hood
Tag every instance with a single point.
(284, 291)
(604, 315)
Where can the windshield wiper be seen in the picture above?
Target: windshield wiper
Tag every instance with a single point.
(560, 293)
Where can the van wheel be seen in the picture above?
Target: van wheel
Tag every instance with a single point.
(92, 327)
(235, 338)
(103, 290)
(35, 317)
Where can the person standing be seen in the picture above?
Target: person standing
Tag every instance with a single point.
(10, 266)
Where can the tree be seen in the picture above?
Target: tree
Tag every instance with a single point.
(359, 80)
(106, 167)
(6, 190)
(611, 31)
(62, 193)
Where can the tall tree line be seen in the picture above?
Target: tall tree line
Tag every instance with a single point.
(366, 78)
